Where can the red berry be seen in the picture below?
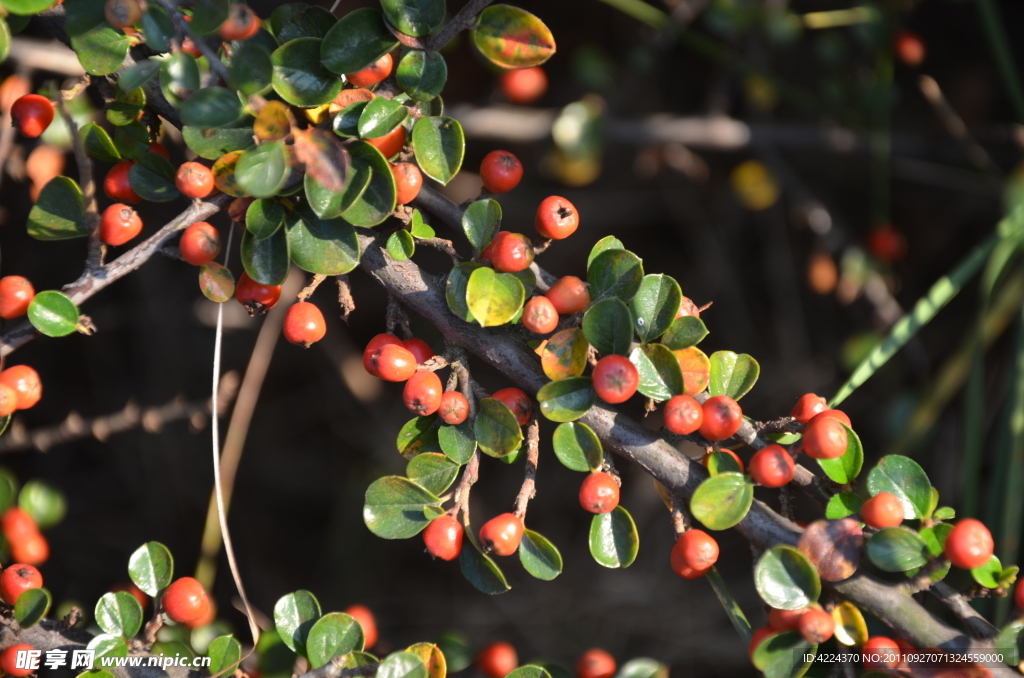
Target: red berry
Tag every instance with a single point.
(119, 224)
(160, 150)
(807, 406)
(188, 46)
(540, 316)
(722, 418)
(825, 438)
(9, 660)
(194, 180)
(772, 466)
(117, 184)
(304, 324)
(33, 550)
(372, 350)
(206, 619)
(394, 362)
(881, 653)
(422, 394)
(454, 408)
(615, 379)
(735, 457)
(420, 349)
(758, 638)
(599, 493)
(408, 180)
(683, 415)
(26, 384)
(816, 626)
(1018, 596)
(17, 524)
(17, 579)
(391, 143)
(524, 85)
(16, 293)
(372, 74)
(32, 114)
(200, 243)
(123, 13)
(969, 544)
(500, 171)
(518, 402)
(256, 297)
(596, 663)
(886, 243)
(696, 549)
(785, 620)
(910, 48)
(185, 601)
(443, 537)
(242, 23)
(882, 510)
(556, 218)
(8, 400)
(367, 621)
(509, 252)
(501, 535)
(497, 660)
(838, 415)
(569, 295)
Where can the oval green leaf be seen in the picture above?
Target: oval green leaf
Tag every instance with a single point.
(432, 471)
(846, 468)
(842, 505)
(324, 246)
(119, 614)
(263, 217)
(615, 273)
(414, 17)
(784, 655)
(684, 332)
(786, 579)
(614, 541)
(732, 374)
(225, 654)
(419, 435)
(252, 68)
(211, 107)
(33, 604)
(380, 117)
(440, 145)
(213, 143)
(897, 549)
(566, 400)
(98, 143)
(299, 77)
(987, 575)
(400, 245)
(660, 374)
(53, 313)
(422, 75)
(480, 222)
(152, 177)
(151, 567)
(374, 203)
(333, 635)
(482, 572)
(102, 50)
(266, 260)
(655, 304)
(722, 501)
(494, 298)
(394, 507)
(578, 447)
(455, 290)
(904, 478)
(609, 242)
(356, 41)
(498, 434)
(59, 214)
(458, 443)
(262, 171)
(294, 616)
(608, 326)
(539, 556)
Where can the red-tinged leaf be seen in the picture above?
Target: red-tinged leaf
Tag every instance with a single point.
(224, 174)
(216, 282)
(273, 122)
(326, 160)
(833, 546)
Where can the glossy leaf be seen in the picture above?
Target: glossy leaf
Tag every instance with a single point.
(722, 501)
(842, 505)
(33, 604)
(458, 442)
(695, 367)
(987, 575)
(213, 143)
(216, 282)
(418, 227)
(59, 213)
(307, 22)
(105, 645)
(400, 245)
(329, 204)
(432, 471)
(179, 79)
(850, 627)
(207, 17)
(346, 122)
(125, 108)
(493, 298)
(324, 246)
(684, 332)
(783, 655)
(419, 435)
(455, 289)
(609, 242)
(414, 17)
(578, 447)
(102, 50)
(566, 400)
(498, 434)
(263, 218)
(380, 117)
(511, 37)
(402, 665)
(539, 556)
(897, 549)
(422, 75)
(138, 74)
(655, 304)
(356, 41)
(935, 537)
(904, 478)
(225, 654)
(267, 260)
(324, 157)
(27, 7)
(394, 507)
(118, 614)
(158, 28)
(660, 376)
(608, 326)
(373, 204)
(152, 177)
(53, 313)
(833, 547)
(132, 141)
(294, 616)
(98, 143)
(480, 222)
(299, 77)
(846, 468)
(440, 146)
(333, 635)
(481, 571)
(614, 541)
(151, 567)
(1008, 641)
(786, 579)
(564, 355)
(721, 462)
(262, 171)
(732, 374)
(615, 273)
(252, 68)
(432, 657)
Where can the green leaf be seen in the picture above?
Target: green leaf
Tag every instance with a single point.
(480, 222)
(608, 326)
(455, 289)
(511, 37)
(609, 242)
(125, 108)
(846, 468)
(33, 604)
(935, 538)
(356, 41)
(294, 616)
(440, 146)
(252, 69)
(722, 501)
(263, 218)
(615, 273)
(732, 375)
(684, 332)
(786, 579)
(1008, 641)
(346, 122)
(498, 434)
(400, 245)
(179, 78)
(225, 655)
(655, 304)
(8, 481)
(59, 213)
(158, 28)
(529, 671)
(328, 204)
(152, 177)
(494, 298)
(722, 462)
(944, 513)
(419, 228)
(394, 507)
(138, 74)
(211, 107)
(897, 549)
(207, 17)
(402, 665)
(432, 471)
(565, 355)
(567, 399)
(333, 635)
(308, 22)
(213, 143)
(132, 140)
(783, 655)
(53, 313)
(578, 447)
(539, 556)
(614, 541)
(660, 375)
(266, 260)
(481, 571)
(98, 143)
(83, 16)
(29, 7)
(414, 17)
(262, 171)
(904, 478)
(373, 204)
(380, 117)
(119, 614)
(419, 435)
(105, 645)
(101, 50)
(987, 575)
(299, 77)
(422, 75)
(458, 442)
(42, 501)
(842, 505)
(151, 567)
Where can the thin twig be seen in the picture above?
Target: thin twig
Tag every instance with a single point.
(443, 245)
(345, 300)
(529, 488)
(97, 249)
(464, 19)
(308, 290)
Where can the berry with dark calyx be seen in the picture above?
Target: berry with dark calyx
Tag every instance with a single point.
(596, 663)
(816, 626)
(569, 294)
(119, 224)
(160, 150)
(969, 544)
(367, 621)
(881, 653)
(696, 549)
(185, 601)
(256, 297)
(9, 660)
(304, 324)
(683, 415)
(33, 550)
(807, 407)
(391, 143)
(518, 402)
(599, 493)
(372, 74)
(17, 579)
(540, 316)
(687, 308)
(735, 457)
(825, 438)
(771, 466)
(722, 418)
(615, 379)
(194, 180)
(785, 620)
(501, 535)
(199, 244)
(32, 114)
(420, 349)
(454, 408)
(122, 13)
(17, 524)
(26, 384)
(443, 537)
(422, 394)
(372, 350)
(394, 362)
(242, 23)
(497, 660)
(408, 180)
(758, 637)
(509, 252)
(838, 415)
(500, 171)
(117, 184)
(556, 218)
(910, 48)
(882, 510)
(16, 293)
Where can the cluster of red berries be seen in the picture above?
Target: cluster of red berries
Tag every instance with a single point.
(242, 22)
(27, 543)
(497, 660)
(15, 580)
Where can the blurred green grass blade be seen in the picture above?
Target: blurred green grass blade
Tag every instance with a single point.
(993, 25)
(732, 608)
(1008, 537)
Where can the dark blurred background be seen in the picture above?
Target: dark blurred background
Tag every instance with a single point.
(800, 274)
